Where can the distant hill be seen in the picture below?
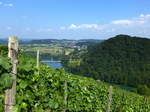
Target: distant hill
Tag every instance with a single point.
(88, 42)
(3, 41)
(54, 41)
(74, 42)
(121, 60)
(42, 41)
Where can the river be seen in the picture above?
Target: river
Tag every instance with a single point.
(56, 64)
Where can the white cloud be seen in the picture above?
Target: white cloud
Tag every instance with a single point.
(145, 15)
(83, 26)
(73, 26)
(142, 19)
(138, 26)
(62, 28)
(122, 22)
(8, 5)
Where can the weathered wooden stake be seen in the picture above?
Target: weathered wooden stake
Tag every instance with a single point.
(109, 99)
(10, 94)
(65, 96)
(145, 99)
(38, 58)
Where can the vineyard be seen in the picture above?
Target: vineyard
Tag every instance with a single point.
(49, 90)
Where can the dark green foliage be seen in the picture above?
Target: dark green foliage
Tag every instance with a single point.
(4, 63)
(3, 50)
(71, 62)
(5, 77)
(5, 81)
(121, 60)
(143, 90)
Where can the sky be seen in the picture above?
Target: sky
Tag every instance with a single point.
(74, 19)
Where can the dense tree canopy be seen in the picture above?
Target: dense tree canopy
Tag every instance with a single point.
(121, 60)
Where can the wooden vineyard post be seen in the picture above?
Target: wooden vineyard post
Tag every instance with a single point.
(145, 99)
(65, 95)
(38, 61)
(109, 99)
(10, 94)
(38, 58)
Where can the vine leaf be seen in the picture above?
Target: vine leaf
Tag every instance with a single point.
(4, 62)
(6, 81)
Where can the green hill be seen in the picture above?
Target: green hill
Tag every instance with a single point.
(59, 91)
(121, 60)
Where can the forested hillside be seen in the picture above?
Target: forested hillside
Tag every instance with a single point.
(121, 60)
(49, 90)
